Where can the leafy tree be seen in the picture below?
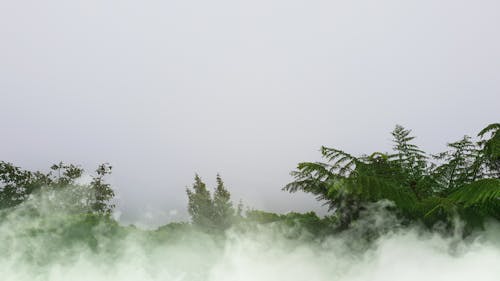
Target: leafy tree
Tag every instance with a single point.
(101, 192)
(66, 174)
(16, 185)
(464, 183)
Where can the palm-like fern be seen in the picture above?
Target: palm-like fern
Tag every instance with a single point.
(464, 182)
(491, 148)
(461, 165)
(483, 195)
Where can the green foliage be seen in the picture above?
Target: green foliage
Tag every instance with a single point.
(461, 165)
(262, 216)
(464, 182)
(298, 224)
(490, 148)
(17, 185)
(211, 214)
(102, 193)
(200, 205)
(481, 193)
(223, 210)
(408, 157)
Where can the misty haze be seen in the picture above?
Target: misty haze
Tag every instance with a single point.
(259, 140)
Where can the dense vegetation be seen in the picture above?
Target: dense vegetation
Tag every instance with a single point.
(462, 182)
(17, 185)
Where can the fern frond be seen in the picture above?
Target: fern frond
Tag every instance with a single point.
(483, 192)
(490, 128)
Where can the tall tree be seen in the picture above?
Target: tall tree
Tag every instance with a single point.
(17, 184)
(210, 213)
(101, 192)
(465, 182)
(223, 207)
(200, 204)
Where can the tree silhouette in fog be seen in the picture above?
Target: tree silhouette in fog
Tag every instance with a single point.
(210, 213)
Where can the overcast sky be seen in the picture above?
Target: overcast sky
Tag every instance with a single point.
(164, 89)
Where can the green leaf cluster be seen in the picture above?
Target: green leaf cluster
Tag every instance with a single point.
(17, 185)
(463, 181)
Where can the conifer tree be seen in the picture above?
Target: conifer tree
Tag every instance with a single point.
(223, 207)
(210, 213)
(200, 205)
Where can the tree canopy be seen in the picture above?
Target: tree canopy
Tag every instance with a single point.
(462, 181)
(17, 185)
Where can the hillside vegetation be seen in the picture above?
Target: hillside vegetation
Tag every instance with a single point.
(461, 183)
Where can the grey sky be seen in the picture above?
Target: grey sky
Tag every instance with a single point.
(164, 89)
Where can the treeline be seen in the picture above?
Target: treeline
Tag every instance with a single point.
(461, 182)
(17, 185)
